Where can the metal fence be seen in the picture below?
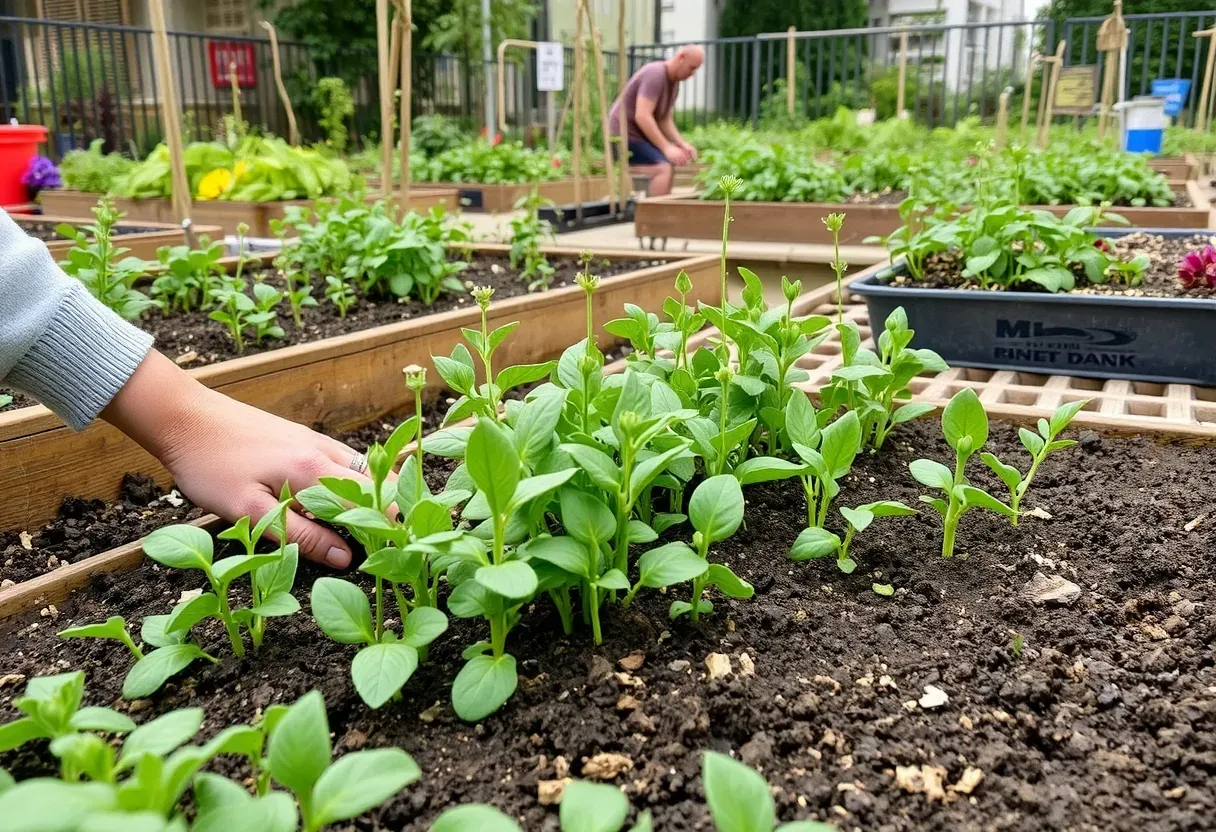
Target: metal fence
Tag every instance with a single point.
(953, 71)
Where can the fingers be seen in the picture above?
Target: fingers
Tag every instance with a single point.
(316, 543)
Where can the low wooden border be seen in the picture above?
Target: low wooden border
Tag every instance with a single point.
(342, 382)
(1176, 167)
(222, 213)
(55, 586)
(688, 217)
(501, 198)
(142, 244)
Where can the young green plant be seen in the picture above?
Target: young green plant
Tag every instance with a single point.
(1039, 445)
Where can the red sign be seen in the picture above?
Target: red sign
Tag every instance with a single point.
(223, 54)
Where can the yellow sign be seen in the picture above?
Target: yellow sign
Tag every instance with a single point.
(1076, 91)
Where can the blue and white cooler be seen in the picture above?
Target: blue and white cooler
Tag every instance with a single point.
(1143, 123)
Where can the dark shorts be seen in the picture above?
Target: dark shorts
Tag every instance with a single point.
(642, 152)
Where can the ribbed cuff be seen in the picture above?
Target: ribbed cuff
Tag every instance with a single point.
(81, 360)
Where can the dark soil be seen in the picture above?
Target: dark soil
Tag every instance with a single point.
(944, 271)
(20, 400)
(1097, 714)
(207, 341)
(46, 230)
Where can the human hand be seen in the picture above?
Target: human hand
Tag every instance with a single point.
(690, 150)
(676, 154)
(228, 457)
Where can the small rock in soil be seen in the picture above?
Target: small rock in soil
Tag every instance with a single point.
(549, 792)
(606, 766)
(1054, 590)
(633, 661)
(718, 665)
(934, 697)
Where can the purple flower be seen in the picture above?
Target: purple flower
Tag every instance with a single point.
(41, 173)
(1198, 269)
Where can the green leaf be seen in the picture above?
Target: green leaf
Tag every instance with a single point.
(963, 417)
(114, 627)
(716, 507)
(474, 818)
(493, 465)
(483, 686)
(1008, 474)
(910, 411)
(563, 551)
(299, 749)
(1031, 440)
(932, 473)
(18, 732)
(889, 508)
(644, 472)
(361, 781)
(423, 625)
(727, 582)
(859, 518)
(586, 518)
(857, 372)
(593, 807)
(342, 611)
(972, 496)
(814, 543)
(275, 812)
(1065, 414)
(380, 670)
(161, 735)
(670, 564)
(739, 799)
(639, 532)
(523, 374)
(766, 469)
(513, 579)
(885, 590)
(598, 465)
(939, 505)
(679, 608)
(846, 565)
(612, 579)
(321, 503)
(148, 674)
(179, 547)
(50, 805)
(152, 631)
(279, 576)
(185, 615)
(801, 425)
(102, 719)
(839, 444)
(277, 605)
(534, 487)
(229, 569)
(459, 376)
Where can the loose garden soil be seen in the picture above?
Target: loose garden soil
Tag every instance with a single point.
(944, 271)
(1096, 713)
(46, 232)
(194, 340)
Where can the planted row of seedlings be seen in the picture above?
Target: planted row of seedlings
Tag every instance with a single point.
(604, 518)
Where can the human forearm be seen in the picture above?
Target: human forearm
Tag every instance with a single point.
(650, 129)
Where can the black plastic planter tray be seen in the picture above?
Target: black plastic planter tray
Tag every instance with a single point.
(1144, 339)
(565, 218)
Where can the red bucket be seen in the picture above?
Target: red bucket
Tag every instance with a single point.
(18, 144)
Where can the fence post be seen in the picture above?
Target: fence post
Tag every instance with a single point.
(789, 72)
(755, 82)
(903, 75)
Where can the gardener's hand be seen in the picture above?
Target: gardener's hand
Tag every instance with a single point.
(690, 150)
(676, 154)
(228, 457)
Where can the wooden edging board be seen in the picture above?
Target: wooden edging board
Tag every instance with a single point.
(501, 198)
(342, 382)
(688, 217)
(142, 244)
(55, 586)
(1176, 167)
(223, 213)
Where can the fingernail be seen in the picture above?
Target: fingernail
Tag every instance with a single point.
(337, 557)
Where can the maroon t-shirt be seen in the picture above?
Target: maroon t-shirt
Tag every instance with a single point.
(649, 82)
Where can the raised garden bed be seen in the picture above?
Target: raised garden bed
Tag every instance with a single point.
(688, 217)
(342, 380)
(225, 214)
(476, 196)
(1153, 332)
(142, 238)
(1176, 168)
(1089, 712)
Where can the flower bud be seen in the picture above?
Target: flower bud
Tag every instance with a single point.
(242, 228)
(585, 256)
(415, 377)
(589, 282)
(834, 222)
(790, 288)
(629, 421)
(730, 184)
(724, 375)
(683, 283)
(482, 295)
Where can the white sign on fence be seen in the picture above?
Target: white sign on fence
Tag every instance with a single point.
(550, 67)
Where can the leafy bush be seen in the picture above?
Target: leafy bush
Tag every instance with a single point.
(332, 97)
(434, 134)
(92, 171)
(509, 163)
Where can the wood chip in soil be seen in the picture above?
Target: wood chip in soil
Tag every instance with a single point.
(1096, 714)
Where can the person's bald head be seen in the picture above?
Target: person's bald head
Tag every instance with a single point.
(685, 62)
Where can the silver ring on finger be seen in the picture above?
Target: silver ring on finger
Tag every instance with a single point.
(358, 463)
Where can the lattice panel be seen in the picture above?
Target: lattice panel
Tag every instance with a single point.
(1128, 400)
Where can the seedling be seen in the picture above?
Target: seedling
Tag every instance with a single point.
(528, 234)
(1017, 645)
(834, 222)
(585, 807)
(239, 312)
(191, 277)
(740, 800)
(1040, 445)
(816, 542)
(965, 425)
(96, 263)
(340, 294)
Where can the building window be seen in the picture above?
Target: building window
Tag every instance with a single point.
(227, 17)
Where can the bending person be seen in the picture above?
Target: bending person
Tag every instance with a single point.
(648, 100)
(67, 350)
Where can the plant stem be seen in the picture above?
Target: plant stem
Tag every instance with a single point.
(498, 634)
(125, 638)
(698, 589)
(596, 635)
(379, 608)
(234, 634)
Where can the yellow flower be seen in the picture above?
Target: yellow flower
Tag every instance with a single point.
(240, 168)
(215, 183)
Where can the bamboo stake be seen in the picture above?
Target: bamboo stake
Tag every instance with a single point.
(609, 170)
(900, 96)
(1026, 90)
(1201, 117)
(789, 70)
(1049, 104)
(1112, 40)
(173, 115)
(293, 131)
(234, 83)
(386, 96)
(622, 71)
(1108, 91)
(406, 12)
(1002, 117)
(576, 91)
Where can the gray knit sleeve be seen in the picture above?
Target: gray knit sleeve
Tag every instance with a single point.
(57, 343)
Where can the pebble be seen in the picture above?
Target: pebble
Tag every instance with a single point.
(606, 766)
(718, 665)
(1056, 589)
(633, 661)
(679, 665)
(934, 697)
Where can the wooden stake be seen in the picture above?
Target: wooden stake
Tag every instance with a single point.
(1110, 71)
(609, 170)
(622, 71)
(173, 114)
(386, 96)
(1112, 40)
(406, 12)
(576, 91)
(789, 70)
(293, 131)
(1002, 117)
(1049, 103)
(1027, 89)
(234, 84)
(1201, 116)
(900, 96)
